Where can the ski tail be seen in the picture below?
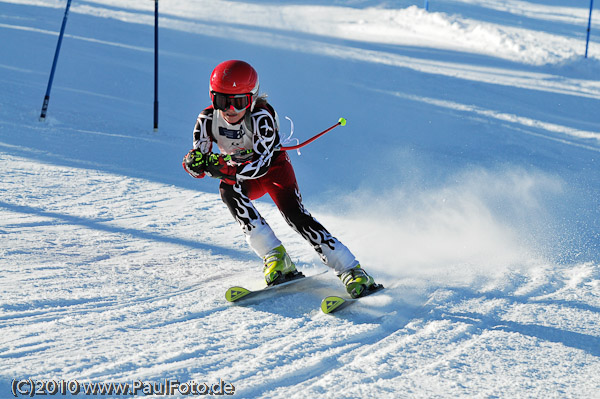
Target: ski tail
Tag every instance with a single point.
(235, 293)
(332, 303)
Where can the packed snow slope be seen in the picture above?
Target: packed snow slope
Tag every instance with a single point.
(466, 181)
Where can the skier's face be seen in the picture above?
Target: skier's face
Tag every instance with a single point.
(231, 116)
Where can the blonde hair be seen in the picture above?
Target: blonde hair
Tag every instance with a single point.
(261, 100)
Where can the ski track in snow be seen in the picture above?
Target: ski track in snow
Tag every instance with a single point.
(113, 274)
(111, 270)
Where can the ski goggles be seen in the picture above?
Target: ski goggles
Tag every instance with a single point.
(237, 102)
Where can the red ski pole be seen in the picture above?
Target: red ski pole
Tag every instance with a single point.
(341, 122)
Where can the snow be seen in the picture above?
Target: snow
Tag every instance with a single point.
(466, 181)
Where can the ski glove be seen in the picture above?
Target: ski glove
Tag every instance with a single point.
(217, 166)
(194, 163)
(198, 165)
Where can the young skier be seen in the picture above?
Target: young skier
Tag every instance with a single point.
(244, 126)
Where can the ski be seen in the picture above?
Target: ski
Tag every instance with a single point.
(238, 293)
(333, 303)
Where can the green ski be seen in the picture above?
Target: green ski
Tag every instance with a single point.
(238, 293)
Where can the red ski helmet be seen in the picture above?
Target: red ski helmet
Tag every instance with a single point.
(234, 77)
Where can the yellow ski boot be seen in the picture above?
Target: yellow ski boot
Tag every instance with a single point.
(279, 268)
(358, 283)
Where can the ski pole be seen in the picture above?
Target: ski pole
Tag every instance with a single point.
(587, 41)
(341, 122)
(60, 37)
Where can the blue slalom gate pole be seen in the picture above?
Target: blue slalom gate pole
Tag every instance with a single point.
(155, 65)
(587, 41)
(426, 5)
(60, 37)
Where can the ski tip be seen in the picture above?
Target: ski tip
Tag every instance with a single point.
(331, 303)
(342, 121)
(235, 293)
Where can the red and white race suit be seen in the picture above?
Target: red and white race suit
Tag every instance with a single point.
(264, 170)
